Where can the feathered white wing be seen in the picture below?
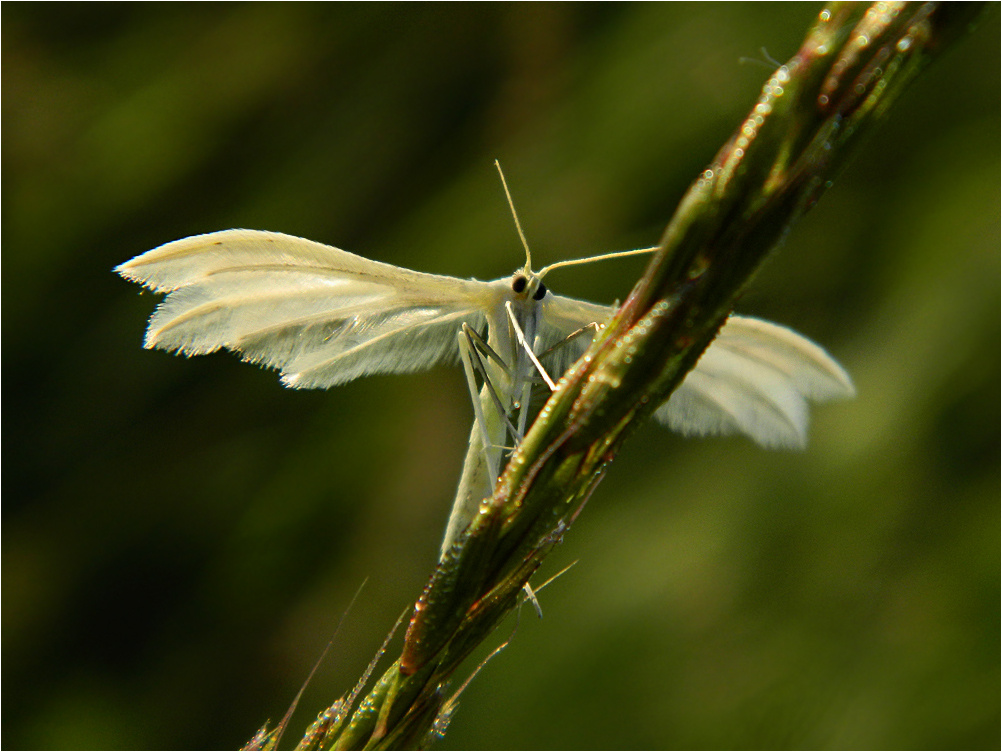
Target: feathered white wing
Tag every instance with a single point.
(320, 315)
(755, 378)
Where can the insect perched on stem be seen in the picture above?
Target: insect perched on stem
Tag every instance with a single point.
(323, 317)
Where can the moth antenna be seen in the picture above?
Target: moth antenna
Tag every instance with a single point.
(572, 262)
(600, 257)
(514, 214)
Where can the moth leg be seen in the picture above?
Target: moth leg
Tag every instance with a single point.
(489, 352)
(528, 350)
(589, 329)
(473, 363)
(467, 356)
(483, 455)
(593, 328)
(472, 344)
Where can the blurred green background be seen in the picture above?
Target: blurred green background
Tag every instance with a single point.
(181, 536)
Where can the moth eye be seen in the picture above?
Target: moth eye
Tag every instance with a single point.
(540, 292)
(518, 284)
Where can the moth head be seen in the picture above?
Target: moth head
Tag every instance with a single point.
(528, 285)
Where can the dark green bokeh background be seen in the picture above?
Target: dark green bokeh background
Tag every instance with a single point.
(181, 536)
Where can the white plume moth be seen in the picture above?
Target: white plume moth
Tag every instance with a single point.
(323, 316)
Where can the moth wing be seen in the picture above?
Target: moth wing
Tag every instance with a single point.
(756, 379)
(320, 315)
